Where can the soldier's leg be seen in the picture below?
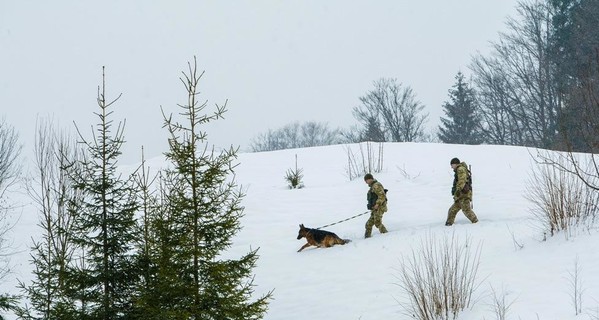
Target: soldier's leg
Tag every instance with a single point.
(451, 213)
(378, 221)
(465, 204)
(369, 224)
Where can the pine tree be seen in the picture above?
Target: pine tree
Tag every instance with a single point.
(373, 131)
(7, 302)
(200, 213)
(462, 124)
(103, 277)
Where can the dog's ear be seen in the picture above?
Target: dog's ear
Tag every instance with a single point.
(301, 225)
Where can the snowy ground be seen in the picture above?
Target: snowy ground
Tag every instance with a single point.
(359, 280)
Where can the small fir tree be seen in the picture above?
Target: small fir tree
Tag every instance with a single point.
(294, 177)
(462, 124)
(199, 214)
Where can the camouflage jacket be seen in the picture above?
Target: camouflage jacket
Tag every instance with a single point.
(376, 196)
(462, 185)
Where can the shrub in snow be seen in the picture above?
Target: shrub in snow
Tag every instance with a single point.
(575, 281)
(500, 305)
(561, 201)
(439, 278)
(367, 161)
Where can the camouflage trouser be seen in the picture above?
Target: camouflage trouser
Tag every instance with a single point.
(376, 219)
(464, 205)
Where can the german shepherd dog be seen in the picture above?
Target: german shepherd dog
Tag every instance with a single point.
(319, 238)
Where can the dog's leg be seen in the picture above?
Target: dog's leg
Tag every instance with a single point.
(329, 242)
(304, 247)
(337, 240)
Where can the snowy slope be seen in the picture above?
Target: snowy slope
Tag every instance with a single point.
(359, 280)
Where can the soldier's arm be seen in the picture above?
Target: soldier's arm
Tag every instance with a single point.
(380, 192)
(462, 176)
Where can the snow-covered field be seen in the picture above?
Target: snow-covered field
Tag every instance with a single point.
(360, 280)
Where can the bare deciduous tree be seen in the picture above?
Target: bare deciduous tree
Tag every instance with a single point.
(296, 135)
(54, 194)
(520, 103)
(10, 170)
(393, 107)
(584, 98)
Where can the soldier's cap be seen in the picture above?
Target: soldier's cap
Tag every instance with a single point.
(455, 161)
(368, 176)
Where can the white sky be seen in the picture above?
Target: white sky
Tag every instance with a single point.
(275, 61)
(359, 280)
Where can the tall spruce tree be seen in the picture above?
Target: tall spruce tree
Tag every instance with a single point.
(462, 124)
(104, 276)
(200, 213)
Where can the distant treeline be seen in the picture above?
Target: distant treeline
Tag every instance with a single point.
(538, 87)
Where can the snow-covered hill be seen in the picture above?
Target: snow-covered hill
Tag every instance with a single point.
(359, 280)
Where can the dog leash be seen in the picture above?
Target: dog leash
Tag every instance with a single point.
(334, 223)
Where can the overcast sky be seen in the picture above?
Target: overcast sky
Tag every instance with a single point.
(275, 61)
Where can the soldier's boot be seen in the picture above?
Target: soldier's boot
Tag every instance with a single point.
(470, 215)
(368, 232)
(451, 214)
(382, 229)
(450, 219)
(368, 227)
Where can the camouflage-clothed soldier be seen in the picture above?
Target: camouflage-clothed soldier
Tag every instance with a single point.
(377, 203)
(461, 192)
